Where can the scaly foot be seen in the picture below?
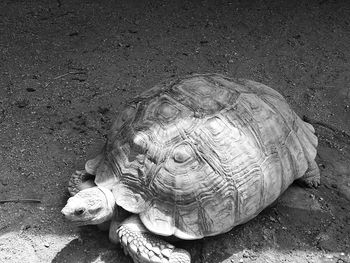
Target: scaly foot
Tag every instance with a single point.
(80, 180)
(145, 247)
(312, 177)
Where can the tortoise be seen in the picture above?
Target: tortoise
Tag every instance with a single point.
(191, 158)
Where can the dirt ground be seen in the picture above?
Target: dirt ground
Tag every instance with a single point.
(68, 67)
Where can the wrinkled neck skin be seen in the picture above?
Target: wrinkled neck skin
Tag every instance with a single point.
(120, 214)
(110, 205)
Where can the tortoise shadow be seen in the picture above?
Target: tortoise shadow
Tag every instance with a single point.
(91, 245)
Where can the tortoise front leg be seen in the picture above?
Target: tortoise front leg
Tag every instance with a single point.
(145, 247)
(84, 179)
(80, 180)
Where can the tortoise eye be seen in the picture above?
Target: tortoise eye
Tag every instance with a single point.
(79, 211)
(182, 153)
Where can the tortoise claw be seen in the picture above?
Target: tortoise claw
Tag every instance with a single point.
(312, 178)
(80, 180)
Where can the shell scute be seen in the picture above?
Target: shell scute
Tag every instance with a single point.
(203, 95)
(164, 110)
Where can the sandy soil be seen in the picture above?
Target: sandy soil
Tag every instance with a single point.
(67, 68)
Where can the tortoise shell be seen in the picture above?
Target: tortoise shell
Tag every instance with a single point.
(197, 156)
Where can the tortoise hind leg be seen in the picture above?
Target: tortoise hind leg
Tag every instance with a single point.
(312, 176)
(80, 180)
(145, 247)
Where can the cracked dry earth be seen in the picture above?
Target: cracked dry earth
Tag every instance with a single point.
(67, 68)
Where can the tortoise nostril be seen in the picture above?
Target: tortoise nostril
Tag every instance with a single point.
(79, 211)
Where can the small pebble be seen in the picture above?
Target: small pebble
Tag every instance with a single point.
(25, 227)
(273, 219)
(21, 103)
(30, 89)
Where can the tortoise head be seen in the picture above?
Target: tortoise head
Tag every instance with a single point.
(90, 206)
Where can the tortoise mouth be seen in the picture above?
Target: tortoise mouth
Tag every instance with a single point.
(76, 215)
